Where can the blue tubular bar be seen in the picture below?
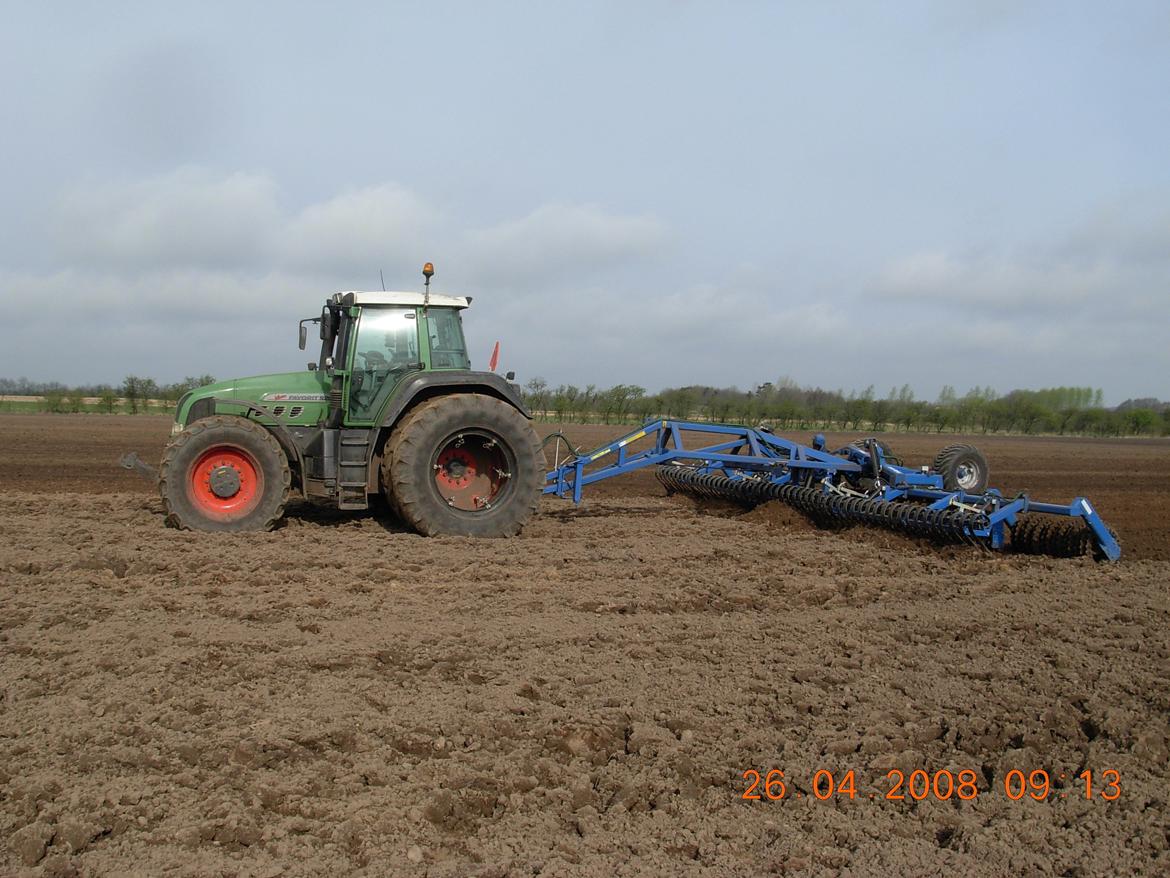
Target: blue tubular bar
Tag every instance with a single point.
(769, 453)
(743, 453)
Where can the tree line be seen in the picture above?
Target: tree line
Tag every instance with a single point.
(134, 395)
(782, 404)
(785, 405)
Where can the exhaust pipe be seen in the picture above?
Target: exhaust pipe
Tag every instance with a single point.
(133, 462)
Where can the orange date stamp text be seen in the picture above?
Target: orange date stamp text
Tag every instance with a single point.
(1038, 785)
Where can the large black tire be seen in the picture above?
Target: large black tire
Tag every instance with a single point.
(451, 447)
(224, 473)
(963, 468)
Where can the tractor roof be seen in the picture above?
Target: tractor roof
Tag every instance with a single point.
(438, 300)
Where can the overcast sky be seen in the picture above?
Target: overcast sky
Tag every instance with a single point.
(660, 193)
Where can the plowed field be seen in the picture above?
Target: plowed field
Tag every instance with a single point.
(343, 697)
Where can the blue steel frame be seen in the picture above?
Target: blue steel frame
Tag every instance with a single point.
(743, 452)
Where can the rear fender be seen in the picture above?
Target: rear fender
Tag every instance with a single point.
(421, 386)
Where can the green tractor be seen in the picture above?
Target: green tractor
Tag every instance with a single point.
(391, 406)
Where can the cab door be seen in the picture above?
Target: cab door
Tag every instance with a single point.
(385, 349)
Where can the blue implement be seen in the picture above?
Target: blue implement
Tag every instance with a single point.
(860, 483)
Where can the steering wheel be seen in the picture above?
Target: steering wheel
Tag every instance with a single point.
(374, 359)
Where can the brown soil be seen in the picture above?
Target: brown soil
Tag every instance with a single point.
(342, 697)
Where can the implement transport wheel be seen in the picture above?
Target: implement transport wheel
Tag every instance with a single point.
(224, 473)
(963, 468)
(464, 464)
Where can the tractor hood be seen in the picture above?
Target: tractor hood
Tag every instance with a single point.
(293, 397)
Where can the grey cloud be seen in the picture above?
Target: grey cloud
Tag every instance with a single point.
(642, 332)
(979, 15)
(214, 262)
(1113, 266)
(93, 327)
(364, 229)
(558, 241)
(186, 219)
(1135, 232)
(217, 265)
(169, 300)
(191, 219)
(1075, 308)
(195, 220)
(982, 281)
(166, 101)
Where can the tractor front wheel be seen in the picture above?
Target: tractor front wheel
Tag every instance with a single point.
(464, 464)
(224, 473)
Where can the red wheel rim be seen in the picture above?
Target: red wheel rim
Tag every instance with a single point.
(226, 483)
(471, 471)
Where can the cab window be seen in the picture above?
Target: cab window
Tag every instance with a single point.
(448, 350)
(386, 348)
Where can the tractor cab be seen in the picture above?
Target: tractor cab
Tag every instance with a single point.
(372, 341)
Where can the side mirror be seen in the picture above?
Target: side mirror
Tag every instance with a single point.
(304, 336)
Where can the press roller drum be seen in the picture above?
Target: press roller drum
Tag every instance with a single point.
(1031, 535)
(1040, 536)
(828, 509)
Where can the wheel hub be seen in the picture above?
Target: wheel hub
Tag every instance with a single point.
(456, 467)
(224, 482)
(471, 470)
(965, 475)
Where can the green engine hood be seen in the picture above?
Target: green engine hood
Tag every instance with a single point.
(293, 397)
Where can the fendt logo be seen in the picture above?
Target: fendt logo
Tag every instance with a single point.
(294, 397)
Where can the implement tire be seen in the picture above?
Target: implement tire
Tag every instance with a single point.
(963, 468)
(224, 473)
(464, 464)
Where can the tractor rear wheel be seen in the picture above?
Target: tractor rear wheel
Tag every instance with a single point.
(464, 464)
(963, 468)
(224, 473)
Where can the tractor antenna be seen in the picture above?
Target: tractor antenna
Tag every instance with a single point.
(428, 273)
(382, 279)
